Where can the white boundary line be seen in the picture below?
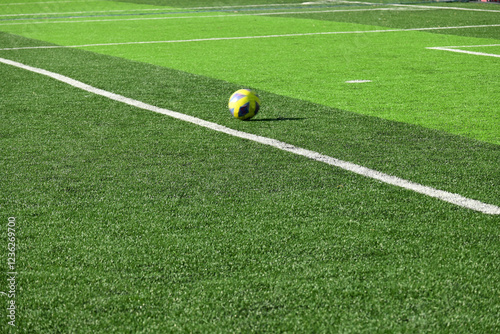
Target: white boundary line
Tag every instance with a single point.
(466, 51)
(29, 21)
(364, 171)
(169, 11)
(111, 11)
(244, 37)
(358, 81)
(459, 49)
(449, 8)
(43, 2)
(471, 46)
(241, 6)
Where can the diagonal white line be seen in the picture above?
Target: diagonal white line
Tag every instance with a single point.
(459, 49)
(464, 46)
(465, 51)
(364, 171)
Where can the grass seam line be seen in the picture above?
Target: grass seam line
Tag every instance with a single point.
(349, 166)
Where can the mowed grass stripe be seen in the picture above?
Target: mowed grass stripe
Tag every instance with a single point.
(443, 195)
(415, 19)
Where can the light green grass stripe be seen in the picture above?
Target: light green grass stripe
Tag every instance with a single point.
(313, 60)
(251, 37)
(389, 179)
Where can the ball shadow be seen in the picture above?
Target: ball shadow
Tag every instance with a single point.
(277, 119)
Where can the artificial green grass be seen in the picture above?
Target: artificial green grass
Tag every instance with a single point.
(195, 3)
(46, 9)
(131, 221)
(390, 147)
(423, 18)
(417, 88)
(410, 83)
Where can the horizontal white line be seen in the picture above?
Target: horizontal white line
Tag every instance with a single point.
(172, 12)
(164, 9)
(244, 37)
(89, 12)
(358, 81)
(25, 21)
(450, 8)
(44, 2)
(261, 5)
(364, 171)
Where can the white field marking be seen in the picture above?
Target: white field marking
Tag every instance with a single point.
(349, 166)
(459, 49)
(338, 1)
(243, 37)
(261, 5)
(90, 12)
(187, 8)
(43, 2)
(358, 81)
(165, 9)
(209, 16)
(175, 11)
(467, 52)
(450, 8)
(471, 46)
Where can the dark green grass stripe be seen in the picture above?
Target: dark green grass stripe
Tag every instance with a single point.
(135, 222)
(361, 170)
(418, 19)
(432, 158)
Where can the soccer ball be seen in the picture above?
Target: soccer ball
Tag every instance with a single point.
(244, 104)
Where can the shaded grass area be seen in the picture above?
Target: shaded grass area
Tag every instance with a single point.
(134, 222)
(423, 18)
(430, 157)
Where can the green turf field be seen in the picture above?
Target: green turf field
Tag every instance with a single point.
(130, 221)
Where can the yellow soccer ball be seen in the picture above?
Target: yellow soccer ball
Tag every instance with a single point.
(244, 104)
